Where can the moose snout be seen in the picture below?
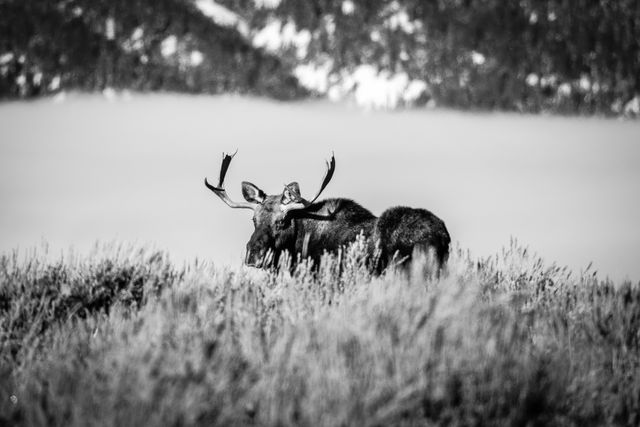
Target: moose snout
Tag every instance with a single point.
(258, 250)
(255, 257)
(251, 259)
(259, 257)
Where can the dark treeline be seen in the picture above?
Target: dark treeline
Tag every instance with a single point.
(564, 56)
(567, 56)
(91, 45)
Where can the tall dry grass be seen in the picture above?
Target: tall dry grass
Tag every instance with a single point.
(122, 338)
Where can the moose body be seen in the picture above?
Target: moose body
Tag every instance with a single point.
(288, 222)
(396, 233)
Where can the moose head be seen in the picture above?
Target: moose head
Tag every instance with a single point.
(272, 214)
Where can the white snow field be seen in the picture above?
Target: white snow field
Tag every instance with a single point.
(130, 169)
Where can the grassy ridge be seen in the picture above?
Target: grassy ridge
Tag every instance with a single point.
(124, 338)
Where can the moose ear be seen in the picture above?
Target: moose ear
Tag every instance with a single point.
(252, 193)
(291, 193)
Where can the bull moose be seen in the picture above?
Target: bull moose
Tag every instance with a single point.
(289, 222)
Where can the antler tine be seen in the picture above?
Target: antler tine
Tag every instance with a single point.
(331, 168)
(302, 203)
(220, 190)
(226, 161)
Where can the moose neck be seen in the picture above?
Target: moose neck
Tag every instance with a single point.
(329, 225)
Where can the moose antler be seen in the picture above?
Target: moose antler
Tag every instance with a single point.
(300, 202)
(220, 190)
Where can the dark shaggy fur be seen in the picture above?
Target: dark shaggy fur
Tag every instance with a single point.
(334, 223)
(329, 225)
(402, 229)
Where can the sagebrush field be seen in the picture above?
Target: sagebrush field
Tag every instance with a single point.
(122, 337)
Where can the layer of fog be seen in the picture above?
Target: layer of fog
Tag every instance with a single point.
(132, 170)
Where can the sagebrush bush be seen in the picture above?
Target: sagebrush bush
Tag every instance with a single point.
(506, 340)
(35, 295)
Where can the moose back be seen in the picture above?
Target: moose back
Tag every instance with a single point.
(289, 222)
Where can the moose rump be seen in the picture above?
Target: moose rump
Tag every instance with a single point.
(401, 230)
